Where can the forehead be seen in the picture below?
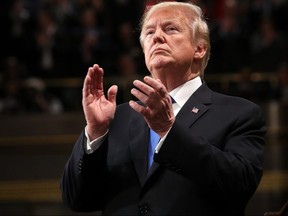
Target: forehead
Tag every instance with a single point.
(165, 15)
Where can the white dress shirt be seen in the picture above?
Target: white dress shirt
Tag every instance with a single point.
(180, 94)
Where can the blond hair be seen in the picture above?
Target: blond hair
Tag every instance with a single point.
(195, 21)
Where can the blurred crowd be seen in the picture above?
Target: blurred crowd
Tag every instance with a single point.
(49, 39)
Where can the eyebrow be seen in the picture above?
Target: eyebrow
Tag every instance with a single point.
(165, 22)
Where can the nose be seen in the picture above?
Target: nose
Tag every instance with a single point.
(159, 36)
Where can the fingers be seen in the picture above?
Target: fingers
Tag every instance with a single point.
(112, 93)
(93, 83)
(86, 85)
(96, 73)
(158, 111)
(138, 108)
(151, 92)
(97, 79)
(157, 85)
(150, 87)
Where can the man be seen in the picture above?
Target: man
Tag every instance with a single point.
(208, 160)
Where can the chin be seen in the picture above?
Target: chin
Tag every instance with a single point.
(159, 63)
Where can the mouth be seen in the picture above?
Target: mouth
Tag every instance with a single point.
(159, 51)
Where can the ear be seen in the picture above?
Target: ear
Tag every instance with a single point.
(200, 51)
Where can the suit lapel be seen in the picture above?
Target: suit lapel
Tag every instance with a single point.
(139, 134)
(196, 106)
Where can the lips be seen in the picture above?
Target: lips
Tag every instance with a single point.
(159, 50)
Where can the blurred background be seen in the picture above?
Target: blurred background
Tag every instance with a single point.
(46, 47)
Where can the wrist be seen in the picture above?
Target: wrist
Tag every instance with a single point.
(94, 132)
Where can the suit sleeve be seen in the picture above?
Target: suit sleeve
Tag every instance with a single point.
(231, 170)
(82, 182)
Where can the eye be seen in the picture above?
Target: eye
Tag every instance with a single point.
(149, 32)
(171, 29)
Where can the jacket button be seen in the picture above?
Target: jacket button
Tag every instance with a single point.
(80, 167)
(143, 209)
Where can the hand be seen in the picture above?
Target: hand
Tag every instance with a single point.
(98, 110)
(158, 112)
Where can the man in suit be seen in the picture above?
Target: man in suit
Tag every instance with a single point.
(208, 155)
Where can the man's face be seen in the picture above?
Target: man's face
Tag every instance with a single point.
(167, 41)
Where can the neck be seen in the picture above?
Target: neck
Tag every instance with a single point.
(173, 79)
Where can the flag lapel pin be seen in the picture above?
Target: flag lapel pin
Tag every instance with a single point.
(195, 110)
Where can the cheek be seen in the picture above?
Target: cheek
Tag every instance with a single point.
(183, 49)
(147, 58)
(146, 51)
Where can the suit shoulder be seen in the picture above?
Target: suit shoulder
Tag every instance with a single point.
(231, 100)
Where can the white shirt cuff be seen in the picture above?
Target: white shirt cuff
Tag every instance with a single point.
(93, 145)
(160, 143)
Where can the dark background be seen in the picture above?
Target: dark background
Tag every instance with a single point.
(46, 47)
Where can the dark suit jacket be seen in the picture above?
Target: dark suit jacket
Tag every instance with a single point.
(209, 164)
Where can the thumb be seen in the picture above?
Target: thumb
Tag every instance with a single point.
(112, 93)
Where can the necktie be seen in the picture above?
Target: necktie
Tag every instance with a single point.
(154, 139)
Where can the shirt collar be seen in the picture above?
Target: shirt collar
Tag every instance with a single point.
(183, 92)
